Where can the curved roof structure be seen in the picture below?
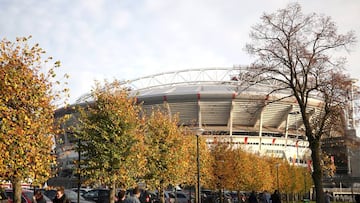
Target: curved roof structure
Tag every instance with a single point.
(225, 105)
(220, 99)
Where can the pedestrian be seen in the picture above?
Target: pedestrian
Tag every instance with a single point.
(266, 196)
(60, 196)
(275, 197)
(357, 198)
(38, 197)
(252, 197)
(121, 196)
(134, 198)
(242, 198)
(328, 197)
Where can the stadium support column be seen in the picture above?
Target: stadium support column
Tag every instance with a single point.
(353, 116)
(167, 106)
(199, 111)
(260, 128)
(286, 129)
(288, 111)
(231, 118)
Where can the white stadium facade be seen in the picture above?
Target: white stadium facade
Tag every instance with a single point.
(218, 101)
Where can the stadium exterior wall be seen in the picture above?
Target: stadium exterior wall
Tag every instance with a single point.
(218, 102)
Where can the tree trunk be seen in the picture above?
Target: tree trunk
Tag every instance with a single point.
(16, 184)
(112, 192)
(317, 173)
(162, 195)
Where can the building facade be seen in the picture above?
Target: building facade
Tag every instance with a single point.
(218, 101)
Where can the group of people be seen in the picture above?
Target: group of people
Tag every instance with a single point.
(59, 198)
(266, 197)
(134, 198)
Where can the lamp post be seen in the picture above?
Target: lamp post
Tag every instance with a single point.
(199, 131)
(79, 174)
(305, 195)
(277, 176)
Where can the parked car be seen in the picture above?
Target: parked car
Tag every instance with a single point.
(82, 190)
(71, 195)
(26, 195)
(47, 199)
(3, 197)
(207, 196)
(180, 197)
(49, 193)
(147, 196)
(98, 195)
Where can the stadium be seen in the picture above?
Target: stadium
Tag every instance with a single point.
(217, 101)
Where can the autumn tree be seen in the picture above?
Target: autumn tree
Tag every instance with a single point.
(239, 170)
(289, 178)
(296, 51)
(242, 170)
(219, 152)
(27, 104)
(112, 142)
(167, 154)
(205, 160)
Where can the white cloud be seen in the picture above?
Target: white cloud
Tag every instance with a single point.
(128, 39)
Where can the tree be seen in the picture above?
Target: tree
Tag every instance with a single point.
(168, 154)
(26, 114)
(205, 159)
(236, 169)
(297, 51)
(220, 170)
(242, 170)
(112, 142)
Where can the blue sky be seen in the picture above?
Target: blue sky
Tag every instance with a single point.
(126, 39)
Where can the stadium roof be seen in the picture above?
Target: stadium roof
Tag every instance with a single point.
(219, 98)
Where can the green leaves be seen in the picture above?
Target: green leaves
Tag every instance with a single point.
(111, 137)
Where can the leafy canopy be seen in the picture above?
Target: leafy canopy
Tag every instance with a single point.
(28, 93)
(111, 137)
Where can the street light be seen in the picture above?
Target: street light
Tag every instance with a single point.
(305, 195)
(199, 131)
(79, 174)
(277, 175)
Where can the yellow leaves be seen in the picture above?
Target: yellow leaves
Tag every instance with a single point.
(26, 112)
(57, 64)
(236, 169)
(168, 150)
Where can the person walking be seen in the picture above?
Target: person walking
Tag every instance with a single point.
(134, 198)
(266, 197)
(242, 198)
(38, 197)
(252, 197)
(60, 196)
(121, 196)
(357, 198)
(328, 197)
(275, 197)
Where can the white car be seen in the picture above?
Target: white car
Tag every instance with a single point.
(82, 190)
(181, 197)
